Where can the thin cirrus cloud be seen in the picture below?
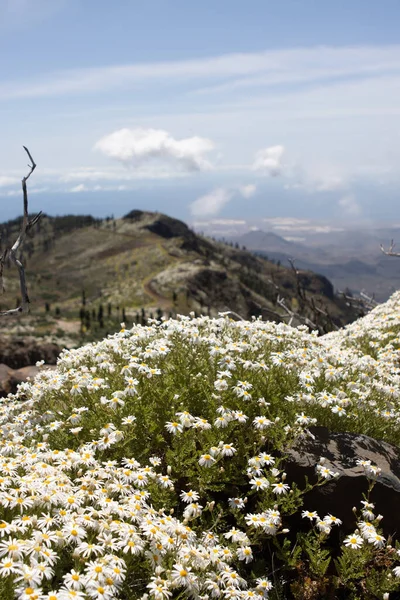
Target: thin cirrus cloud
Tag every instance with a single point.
(212, 203)
(230, 71)
(138, 146)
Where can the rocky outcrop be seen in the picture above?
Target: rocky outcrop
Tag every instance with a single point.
(21, 353)
(11, 378)
(317, 284)
(160, 224)
(208, 285)
(338, 496)
(167, 228)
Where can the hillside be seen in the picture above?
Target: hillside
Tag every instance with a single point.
(150, 262)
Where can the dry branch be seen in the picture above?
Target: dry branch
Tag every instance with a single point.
(294, 315)
(11, 253)
(390, 252)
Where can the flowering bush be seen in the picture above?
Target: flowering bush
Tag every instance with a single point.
(152, 463)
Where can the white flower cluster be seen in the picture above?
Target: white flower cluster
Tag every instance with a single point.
(91, 497)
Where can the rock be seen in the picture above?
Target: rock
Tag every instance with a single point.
(134, 215)
(337, 497)
(5, 380)
(162, 225)
(11, 378)
(317, 284)
(23, 352)
(167, 227)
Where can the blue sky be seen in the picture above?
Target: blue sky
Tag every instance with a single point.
(219, 109)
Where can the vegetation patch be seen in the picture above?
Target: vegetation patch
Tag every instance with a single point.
(152, 463)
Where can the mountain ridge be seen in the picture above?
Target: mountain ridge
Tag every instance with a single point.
(152, 261)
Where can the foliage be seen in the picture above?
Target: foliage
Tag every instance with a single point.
(153, 463)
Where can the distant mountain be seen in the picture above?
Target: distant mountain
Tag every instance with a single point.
(266, 240)
(152, 261)
(350, 259)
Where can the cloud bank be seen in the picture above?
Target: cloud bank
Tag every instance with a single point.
(137, 146)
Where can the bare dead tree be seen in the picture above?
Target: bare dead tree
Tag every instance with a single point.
(322, 319)
(300, 289)
(369, 301)
(11, 253)
(389, 251)
(363, 303)
(295, 315)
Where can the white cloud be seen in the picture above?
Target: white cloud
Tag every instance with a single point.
(269, 160)
(314, 178)
(349, 205)
(5, 180)
(248, 191)
(135, 146)
(93, 174)
(212, 203)
(285, 221)
(78, 188)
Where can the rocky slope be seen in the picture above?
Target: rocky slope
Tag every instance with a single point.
(152, 261)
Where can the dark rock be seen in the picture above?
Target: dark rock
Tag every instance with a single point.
(5, 380)
(316, 283)
(167, 227)
(338, 496)
(134, 215)
(21, 353)
(11, 378)
(162, 225)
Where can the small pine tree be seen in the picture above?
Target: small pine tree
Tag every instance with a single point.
(100, 313)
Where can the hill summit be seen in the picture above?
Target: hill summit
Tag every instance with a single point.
(153, 261)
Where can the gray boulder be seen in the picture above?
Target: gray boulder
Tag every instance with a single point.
(338, 496)
(11, 378)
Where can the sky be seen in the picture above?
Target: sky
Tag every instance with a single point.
(212, 110)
